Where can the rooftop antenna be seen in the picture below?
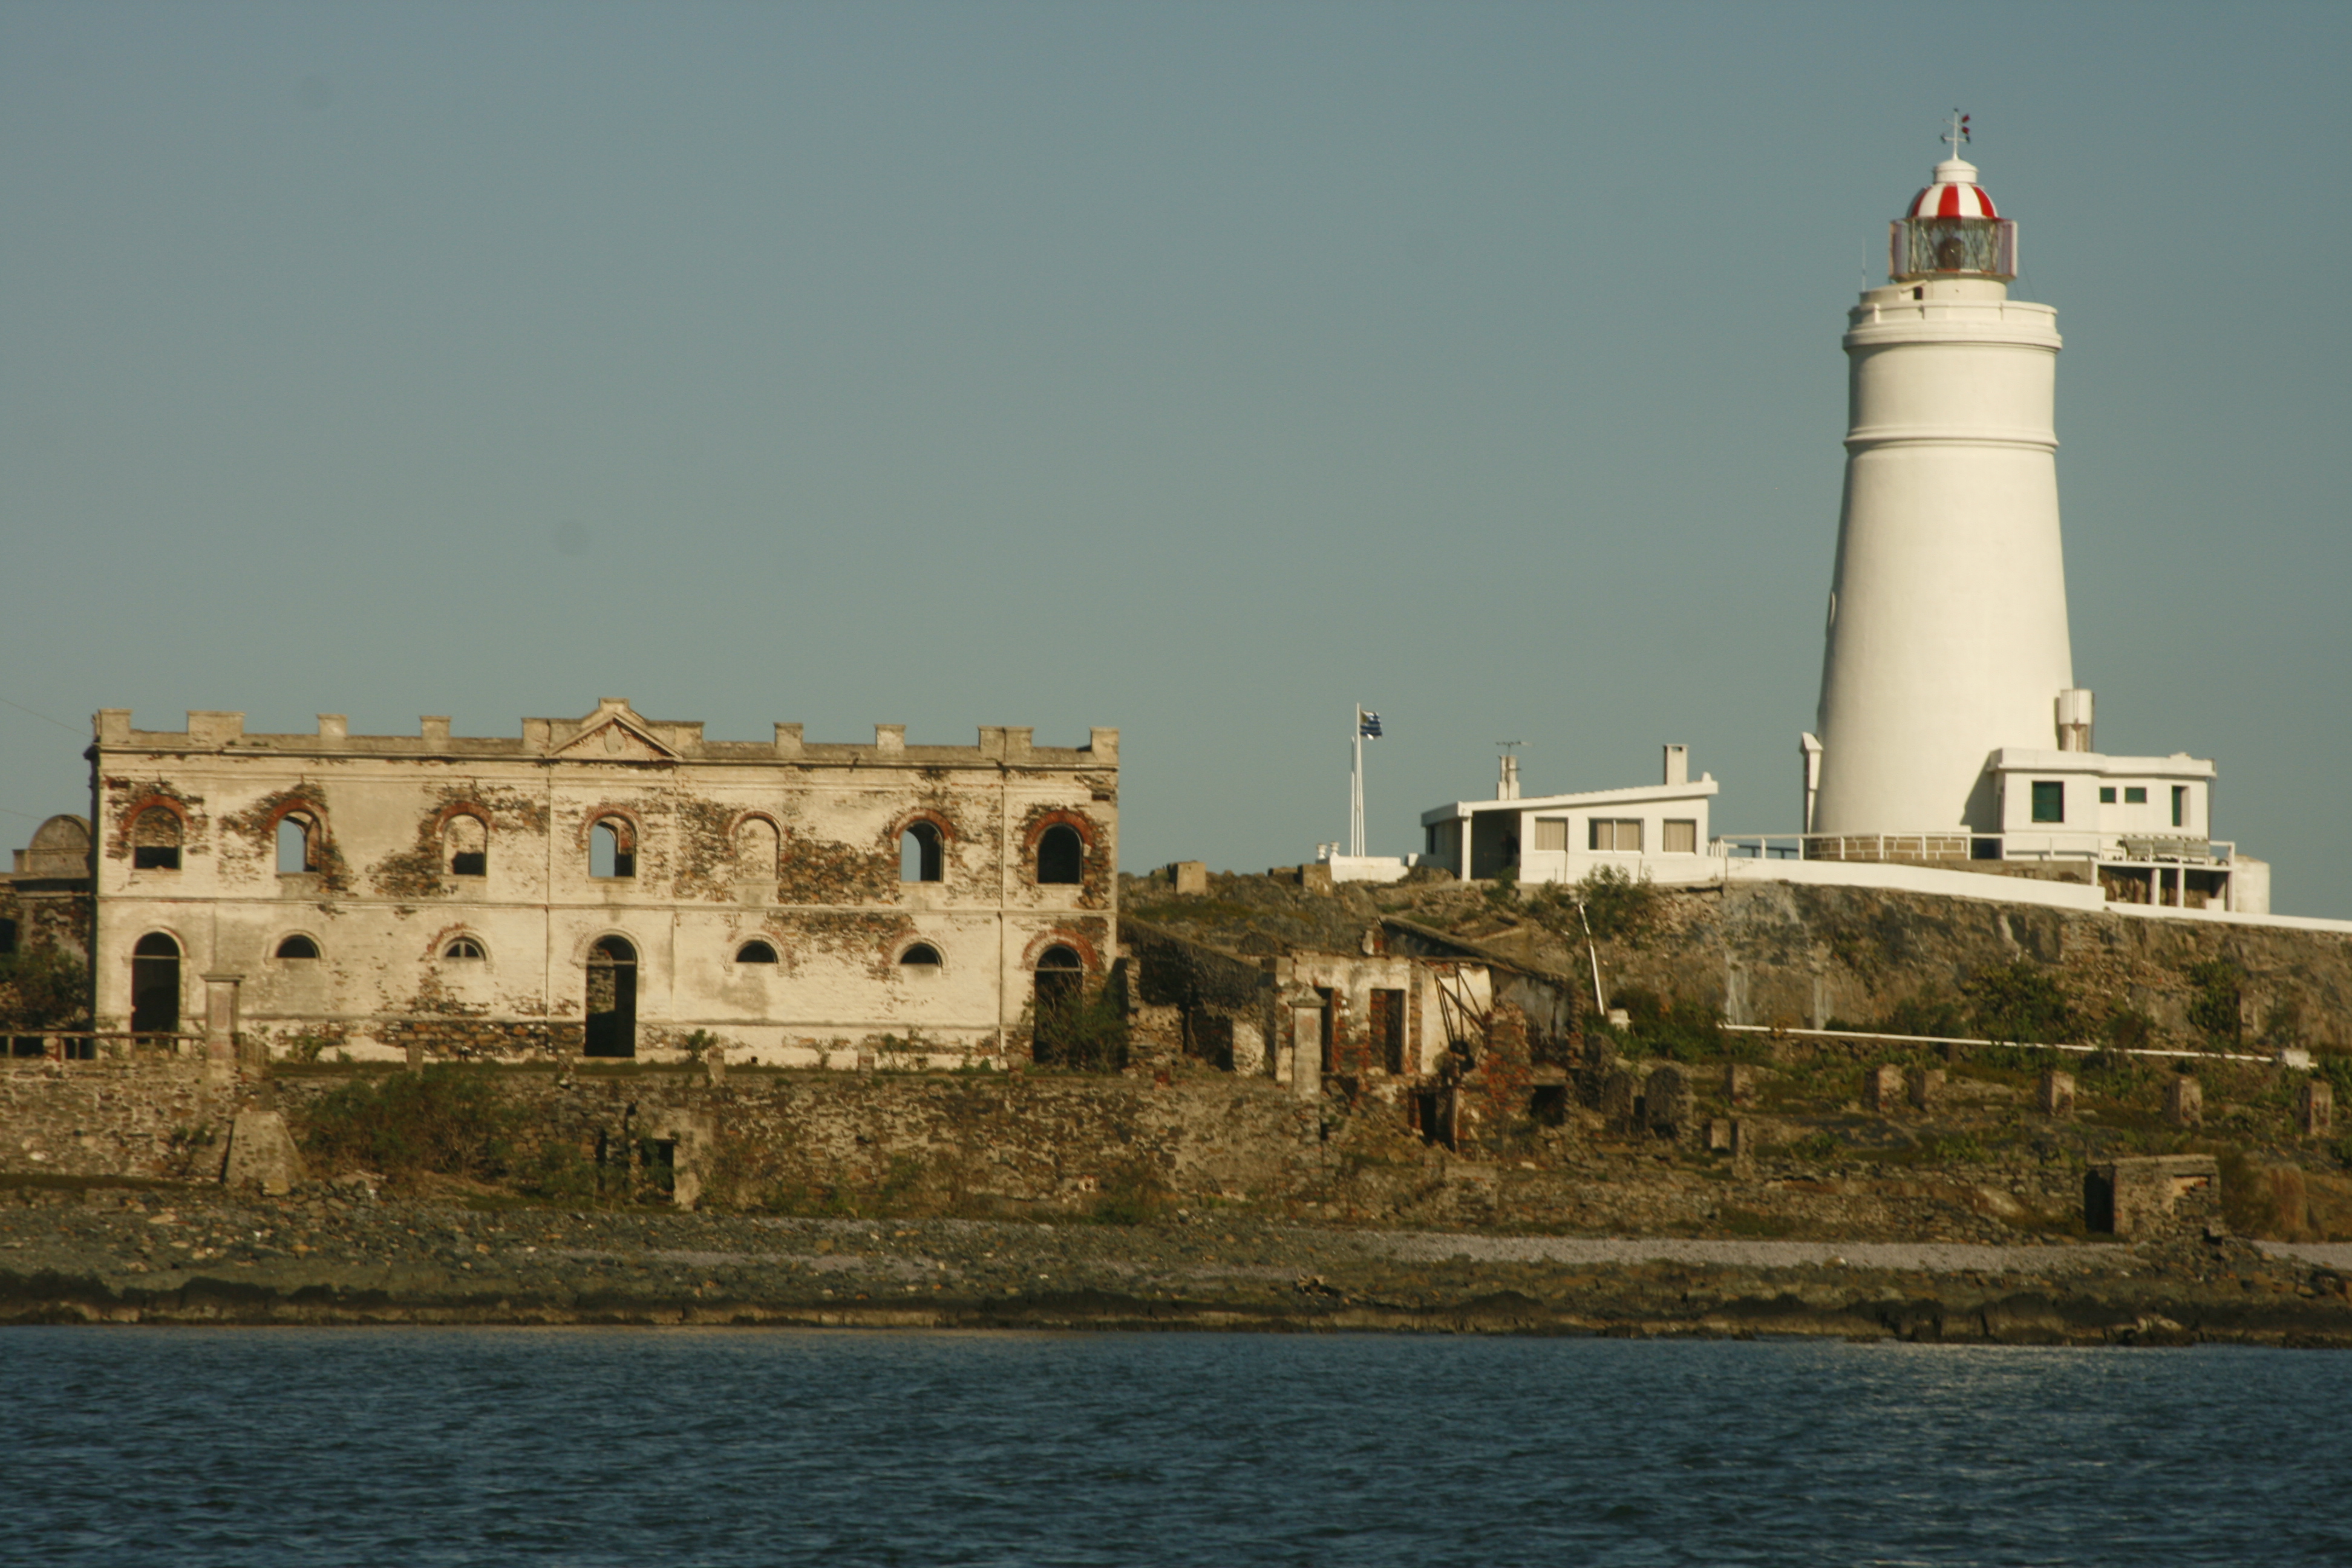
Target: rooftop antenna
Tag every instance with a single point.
(1958, 135)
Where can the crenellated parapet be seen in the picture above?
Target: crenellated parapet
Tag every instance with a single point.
(613, 732)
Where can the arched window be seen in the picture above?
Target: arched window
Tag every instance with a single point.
(612, 848)
(922, 854)
(298, 946)
(464, 947)
(466, 843)
(1061, 983)
(155, 985)
(297, 843)
(921, 955)
(612, 998)
(756, 953)
(755, 850)
(155, 840)
(1061, 854)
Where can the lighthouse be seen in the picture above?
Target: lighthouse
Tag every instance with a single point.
(1946, 633)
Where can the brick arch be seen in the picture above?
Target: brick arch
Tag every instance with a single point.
(147, 803)
(458, 808)
(1087, 954)
(596, 814)
(1078, 822)
(127, 825)
(309, 806)
(932, 815)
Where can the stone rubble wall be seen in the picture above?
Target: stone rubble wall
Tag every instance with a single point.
(113, 1117)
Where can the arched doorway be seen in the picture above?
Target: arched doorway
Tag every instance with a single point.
(1061, 989)
(155, 985)
(612, 998)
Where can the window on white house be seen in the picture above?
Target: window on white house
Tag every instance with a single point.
(1619, 833)
(1681, 836)
(1552, 833)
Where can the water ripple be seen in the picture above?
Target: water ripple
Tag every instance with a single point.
(587, 1447)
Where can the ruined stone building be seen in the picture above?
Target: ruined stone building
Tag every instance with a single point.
(45, 893)
(612, 884)
(1444, 1034)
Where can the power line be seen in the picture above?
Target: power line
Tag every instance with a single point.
(70, 729)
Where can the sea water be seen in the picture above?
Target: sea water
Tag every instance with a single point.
(647, 1447)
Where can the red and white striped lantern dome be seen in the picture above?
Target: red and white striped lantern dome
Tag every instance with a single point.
(1955, 194)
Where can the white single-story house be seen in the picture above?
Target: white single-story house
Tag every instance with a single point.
(1658, 832)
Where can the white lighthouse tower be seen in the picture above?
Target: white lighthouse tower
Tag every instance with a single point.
(1947, 636)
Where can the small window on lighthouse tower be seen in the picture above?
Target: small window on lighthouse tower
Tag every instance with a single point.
(2049, 800)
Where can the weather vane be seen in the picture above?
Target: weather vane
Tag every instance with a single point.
(1958, 134)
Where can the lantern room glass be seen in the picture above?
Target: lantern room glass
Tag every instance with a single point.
(1952, 247)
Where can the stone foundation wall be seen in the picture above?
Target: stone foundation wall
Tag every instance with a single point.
(114, 1117)
(764, 1137)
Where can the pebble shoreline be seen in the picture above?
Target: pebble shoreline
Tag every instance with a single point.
(198, 1256)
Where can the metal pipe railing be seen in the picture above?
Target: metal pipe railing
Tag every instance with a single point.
(1963, 1040)
(60, 1044)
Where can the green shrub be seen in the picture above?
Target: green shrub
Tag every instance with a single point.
(1817, 1148)
(1615, 907)
(2336, 1067)
(1085, 1030)
(42, 988)
(1926, 1014)
(564, 1177)
(2020, 1002)
(1663, 1026)
(2214, 1003)
(448, 1120)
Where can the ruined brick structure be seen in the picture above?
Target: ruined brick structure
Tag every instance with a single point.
(611, 885)
(45, 894)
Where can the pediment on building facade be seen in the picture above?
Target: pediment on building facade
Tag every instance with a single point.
(614, 736)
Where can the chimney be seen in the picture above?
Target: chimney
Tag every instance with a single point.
(1506, 785)
(1677, 764)
(2074, 720)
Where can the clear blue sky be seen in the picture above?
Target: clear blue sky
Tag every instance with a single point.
(1200, 370)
